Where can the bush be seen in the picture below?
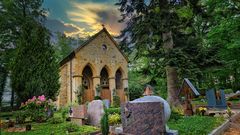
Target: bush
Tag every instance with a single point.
(113, 111)
(64, 111)
(55, 120)
(20, 117)
(175, 116)
(104, 124)
(228, 91)
(71, 127)
(97, 98)
(116, 101)
(114, 119)
(37, 108)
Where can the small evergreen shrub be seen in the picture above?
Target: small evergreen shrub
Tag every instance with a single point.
(104, 124)
(116, 101)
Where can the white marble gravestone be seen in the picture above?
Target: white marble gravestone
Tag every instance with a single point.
(95, 112)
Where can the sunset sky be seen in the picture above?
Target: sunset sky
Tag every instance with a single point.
(82, 17)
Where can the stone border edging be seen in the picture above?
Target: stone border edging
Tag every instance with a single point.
(219, 130)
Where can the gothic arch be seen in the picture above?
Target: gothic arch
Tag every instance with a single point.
(109, 70)
(122, 71)
(92, 67)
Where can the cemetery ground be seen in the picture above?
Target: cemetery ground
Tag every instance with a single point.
(50, 127)
(185, 125)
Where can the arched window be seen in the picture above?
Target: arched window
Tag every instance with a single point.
(104, 78)
(87, 77)
(118, 79)
(104, 47)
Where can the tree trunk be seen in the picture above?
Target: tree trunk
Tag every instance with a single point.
(171, 72)
(172, 80)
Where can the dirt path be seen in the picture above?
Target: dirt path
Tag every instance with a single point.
(234, 128)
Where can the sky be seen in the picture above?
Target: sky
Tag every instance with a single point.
(82, 18)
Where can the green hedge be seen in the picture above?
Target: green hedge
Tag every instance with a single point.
(113, 111)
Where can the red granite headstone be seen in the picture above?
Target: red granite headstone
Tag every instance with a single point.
(79, 114)
(79, 111)
(145, 118)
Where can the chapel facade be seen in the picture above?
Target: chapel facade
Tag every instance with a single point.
(97, 63)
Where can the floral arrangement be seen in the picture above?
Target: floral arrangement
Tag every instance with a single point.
(38, 108)
(202, 110)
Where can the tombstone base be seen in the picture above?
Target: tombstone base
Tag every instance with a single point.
(172, 132)
(78, 121)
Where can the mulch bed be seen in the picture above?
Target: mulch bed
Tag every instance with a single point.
(234, 128)
(16, 129)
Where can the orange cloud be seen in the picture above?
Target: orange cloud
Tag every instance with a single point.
(94, 15)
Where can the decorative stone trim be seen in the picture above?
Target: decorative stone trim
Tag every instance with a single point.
(96, 77)
(219, 130)
(111, 78)
(77, 76)
(125, 79)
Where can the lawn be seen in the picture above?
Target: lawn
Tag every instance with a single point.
(195, 125)
(52, 129)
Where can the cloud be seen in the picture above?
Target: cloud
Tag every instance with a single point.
(66, 28)
(93, 15)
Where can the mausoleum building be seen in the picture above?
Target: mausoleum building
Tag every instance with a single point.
(96, 64)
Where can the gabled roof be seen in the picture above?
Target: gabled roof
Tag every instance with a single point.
(189, 84)
(72, 54)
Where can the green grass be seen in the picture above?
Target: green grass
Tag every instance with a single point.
(53, 129)
(195, 125)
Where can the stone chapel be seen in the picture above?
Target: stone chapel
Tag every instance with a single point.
(96, 63)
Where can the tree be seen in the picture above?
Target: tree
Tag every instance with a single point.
(3, 75)
(63, 47)
(223, 32)
(33, 66)
(35, 69)
(163, 32)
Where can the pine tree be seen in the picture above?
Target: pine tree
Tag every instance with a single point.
(163, 32)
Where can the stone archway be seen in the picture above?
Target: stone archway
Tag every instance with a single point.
(104, 82)
(87, 83)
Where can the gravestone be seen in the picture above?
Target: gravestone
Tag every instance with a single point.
(106, 103)
(79, 114)
(95, 112)
(217, 100)
(145, 118)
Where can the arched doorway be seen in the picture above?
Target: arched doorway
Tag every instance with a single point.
(87, 83)
(119, 85)
(104, 82)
